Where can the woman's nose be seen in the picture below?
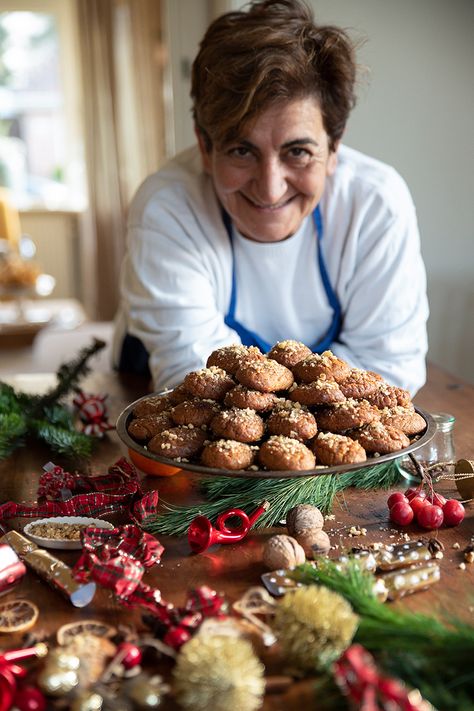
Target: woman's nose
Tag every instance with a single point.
(271, 183)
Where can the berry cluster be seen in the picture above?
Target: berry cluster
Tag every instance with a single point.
(429, 510)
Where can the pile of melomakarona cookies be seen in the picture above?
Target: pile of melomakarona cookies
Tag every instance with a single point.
(290, 409)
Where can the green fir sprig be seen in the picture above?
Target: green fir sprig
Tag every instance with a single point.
(433, 655)
(46, 417)
(222, 493)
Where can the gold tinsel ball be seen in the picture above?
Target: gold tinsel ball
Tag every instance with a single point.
(314, 626)
(218, 673)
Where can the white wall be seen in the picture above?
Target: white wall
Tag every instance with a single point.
(414, 112)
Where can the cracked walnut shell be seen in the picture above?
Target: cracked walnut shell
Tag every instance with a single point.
(283, 552)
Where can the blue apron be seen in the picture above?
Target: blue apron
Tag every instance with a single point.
(249, 338)
(134, 356)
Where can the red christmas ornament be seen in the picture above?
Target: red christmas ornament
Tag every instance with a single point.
(10, 672)
(129, 655)
(202, 534)
(92, 412)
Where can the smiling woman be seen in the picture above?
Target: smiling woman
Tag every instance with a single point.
(271, 229)
(274, 176)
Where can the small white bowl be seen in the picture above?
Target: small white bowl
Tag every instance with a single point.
(65, 544)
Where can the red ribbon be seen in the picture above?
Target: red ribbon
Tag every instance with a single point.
(122, 478)
(356, 674)
(117, 559)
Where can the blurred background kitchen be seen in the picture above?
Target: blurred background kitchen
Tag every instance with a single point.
(94, 96)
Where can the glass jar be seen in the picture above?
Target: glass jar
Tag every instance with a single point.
(438, 450)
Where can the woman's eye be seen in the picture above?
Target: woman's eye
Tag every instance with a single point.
(299, 153)
(239, 152)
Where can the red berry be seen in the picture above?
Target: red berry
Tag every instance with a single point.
(417, 503)
(412, 492)
(453, 512)
(401, 513)
(397, 496)
(130, 654)
(438, 500)
(430, 516)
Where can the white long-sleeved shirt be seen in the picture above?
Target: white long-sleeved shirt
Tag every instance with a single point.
(177, 273)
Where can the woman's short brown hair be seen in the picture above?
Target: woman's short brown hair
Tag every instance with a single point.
(273, 52)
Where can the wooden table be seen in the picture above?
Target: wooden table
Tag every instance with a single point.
(231, 569)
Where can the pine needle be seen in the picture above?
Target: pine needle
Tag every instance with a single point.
(12, 430)
(44, 416)
(223, 493)
(430, 654)
(63, 441)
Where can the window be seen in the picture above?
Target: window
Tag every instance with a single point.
(40, 154)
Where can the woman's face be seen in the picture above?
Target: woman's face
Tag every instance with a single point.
(273, 176)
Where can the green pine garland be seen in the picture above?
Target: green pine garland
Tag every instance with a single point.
(44, 417)
(222, 493)
(432, 655)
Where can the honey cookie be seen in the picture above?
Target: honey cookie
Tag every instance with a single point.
(228, 454)
(382, 439)
(208, 383)
(178, 442)
(280, 453)
(230, 358)
(179, 394)
(334, 449)
(265, 375)
(315, 365)
(347, 415)
(241, 425)
(152, 405)
(389, 396)
(292, 420)
(244, 397)
(320, 392)
(359, 384)
(194, 412)
(289, 353)
(404, 419)
(144, 428)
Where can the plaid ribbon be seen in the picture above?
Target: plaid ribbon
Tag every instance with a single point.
(117, 559)
(87, 504)
(56, 484)
(357, 676)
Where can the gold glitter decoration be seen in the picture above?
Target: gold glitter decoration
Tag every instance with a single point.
(218, 673)
(314, 626)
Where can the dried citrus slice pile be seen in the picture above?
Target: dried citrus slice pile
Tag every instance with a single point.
(67, 633)
(17, 615)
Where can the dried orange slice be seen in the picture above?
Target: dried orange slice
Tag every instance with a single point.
(17, 615)
(68, 632)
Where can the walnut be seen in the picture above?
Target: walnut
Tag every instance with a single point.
(282, 552)
(303, 517)
(314, 542)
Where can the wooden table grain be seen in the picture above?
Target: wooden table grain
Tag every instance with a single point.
(231, 569)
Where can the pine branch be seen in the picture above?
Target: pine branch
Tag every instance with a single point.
(69, 375)
(22, 414)
(12, 430)
(424, 651)
(222, 493)
(64, 441)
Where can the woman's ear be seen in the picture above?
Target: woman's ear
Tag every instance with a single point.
(332, 160)
(204, 149)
